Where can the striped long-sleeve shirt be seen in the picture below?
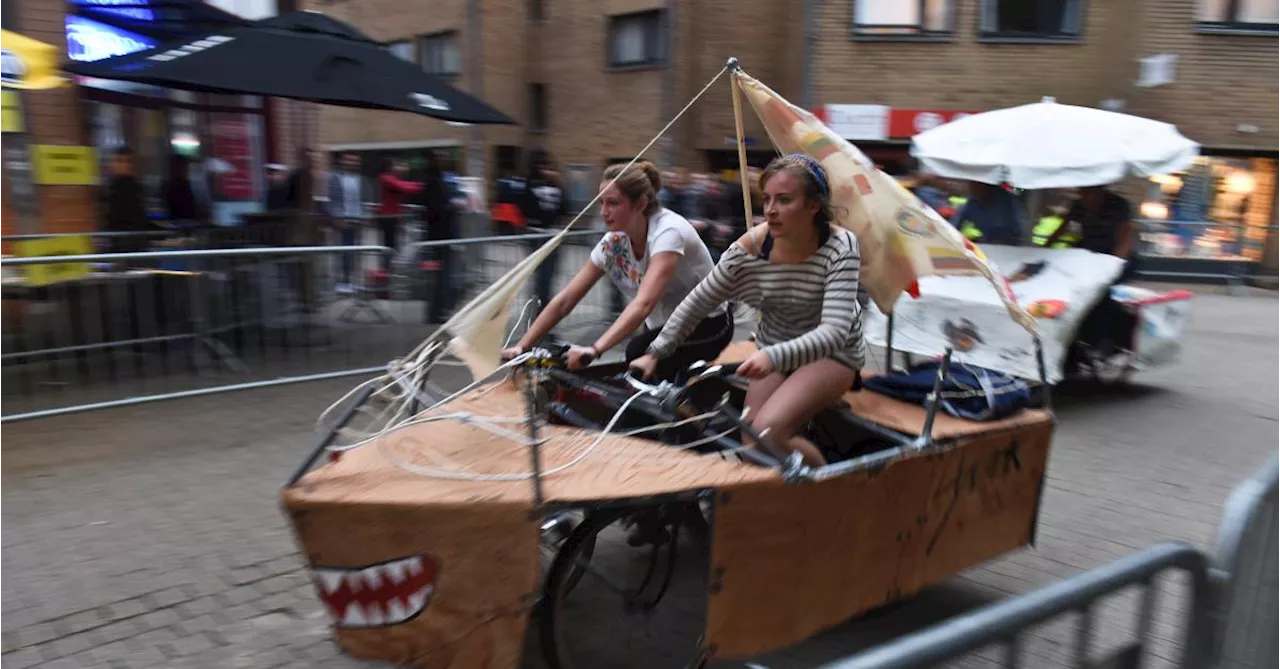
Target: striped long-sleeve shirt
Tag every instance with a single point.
(809, 310)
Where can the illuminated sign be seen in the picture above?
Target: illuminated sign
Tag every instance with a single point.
(14, 68)
(89, 40)
(129, 9)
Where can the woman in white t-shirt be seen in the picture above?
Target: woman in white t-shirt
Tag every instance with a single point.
(654, 257)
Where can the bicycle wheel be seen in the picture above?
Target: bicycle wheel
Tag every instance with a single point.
(621, 614)
(552, 545)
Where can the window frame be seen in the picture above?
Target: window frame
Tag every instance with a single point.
(988, 10)
(657, 42)
(443, 36)
(1232, 25)
(860, 32)
(539, 114)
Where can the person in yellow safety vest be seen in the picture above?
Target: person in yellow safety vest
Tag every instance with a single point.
(1049, 225)
(991, 215)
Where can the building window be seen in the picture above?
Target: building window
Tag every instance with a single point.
(403, 50)
(438, 54)
(901, 17)
(1219, 208)
(1036, 19)
(637, 39)
(1243, 14)
(538, 107)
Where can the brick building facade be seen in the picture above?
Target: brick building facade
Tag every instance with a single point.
(593, 81)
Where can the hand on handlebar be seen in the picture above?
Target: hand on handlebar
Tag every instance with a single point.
(511, 352)
(756, 366)
(644, 366)
(578, 357)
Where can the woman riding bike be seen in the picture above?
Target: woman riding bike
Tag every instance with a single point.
(654, 257)
(801, 273)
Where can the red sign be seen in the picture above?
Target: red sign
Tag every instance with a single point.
(911, 122)
(231, 143)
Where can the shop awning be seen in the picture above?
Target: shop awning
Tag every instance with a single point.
(28, 64)
(299, 55)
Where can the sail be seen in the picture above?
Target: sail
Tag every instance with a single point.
(900, 237)
(477, 329)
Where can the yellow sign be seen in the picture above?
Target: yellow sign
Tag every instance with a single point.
(44, 275)
(64, 165)
(28, 63)
(11, 120)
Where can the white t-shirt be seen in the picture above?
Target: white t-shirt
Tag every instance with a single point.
(669, 232)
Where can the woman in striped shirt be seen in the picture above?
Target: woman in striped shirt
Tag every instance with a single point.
(801, 273)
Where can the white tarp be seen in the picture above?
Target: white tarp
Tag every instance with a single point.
(1162, 320)
(964, 312)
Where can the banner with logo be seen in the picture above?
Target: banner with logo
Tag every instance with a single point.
(1057, 286)
(28, 64)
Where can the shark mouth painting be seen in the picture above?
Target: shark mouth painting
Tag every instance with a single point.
(387, 593)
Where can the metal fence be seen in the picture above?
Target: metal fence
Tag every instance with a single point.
(1229, 617)
(1244, 571)
(140, 327)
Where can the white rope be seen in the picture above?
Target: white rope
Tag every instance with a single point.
(422, 356)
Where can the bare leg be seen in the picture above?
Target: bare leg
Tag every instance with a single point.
(801, 396)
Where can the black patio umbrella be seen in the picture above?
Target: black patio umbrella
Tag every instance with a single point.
(299, 55)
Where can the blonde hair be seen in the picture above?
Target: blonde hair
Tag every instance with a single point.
(640, 180)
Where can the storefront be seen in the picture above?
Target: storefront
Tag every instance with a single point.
(226, 137)
(884, 133)
(1216, 218)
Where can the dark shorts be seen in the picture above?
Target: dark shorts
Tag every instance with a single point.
(706, 342)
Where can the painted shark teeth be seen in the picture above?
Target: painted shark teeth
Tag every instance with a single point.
(388, 593)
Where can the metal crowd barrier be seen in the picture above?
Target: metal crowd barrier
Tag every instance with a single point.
(1230, 611)
(1244, 572)
(130, 328)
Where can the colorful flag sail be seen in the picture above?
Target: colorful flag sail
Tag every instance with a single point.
(900, 237)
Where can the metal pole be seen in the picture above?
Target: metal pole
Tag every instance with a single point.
(534, 442)
(809, 38)
(475, 42)
(668, 107)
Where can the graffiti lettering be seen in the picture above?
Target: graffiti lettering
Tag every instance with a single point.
(1000, 464)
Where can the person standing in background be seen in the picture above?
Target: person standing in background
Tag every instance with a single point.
(278, 179)
(392, 189)
(180, 199)
(545, 206)
(347, 193)
(124, 209)
(991, 215)
(442, 224)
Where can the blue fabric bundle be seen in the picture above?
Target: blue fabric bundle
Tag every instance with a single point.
(969, 392)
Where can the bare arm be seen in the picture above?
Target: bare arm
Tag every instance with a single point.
(1124, 239)
(562, 304)
(661, 268)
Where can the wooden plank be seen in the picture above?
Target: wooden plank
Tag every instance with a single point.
(789, 561)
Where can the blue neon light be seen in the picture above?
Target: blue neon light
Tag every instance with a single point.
(129, 9)
(89, 40)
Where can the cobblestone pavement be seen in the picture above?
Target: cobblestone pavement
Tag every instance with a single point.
(151, 536)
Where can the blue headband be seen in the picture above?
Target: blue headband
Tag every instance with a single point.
(815, 170)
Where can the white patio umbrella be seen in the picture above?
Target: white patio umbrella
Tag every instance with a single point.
(1051, 145)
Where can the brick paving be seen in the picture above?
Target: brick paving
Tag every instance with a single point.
(151, 536)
